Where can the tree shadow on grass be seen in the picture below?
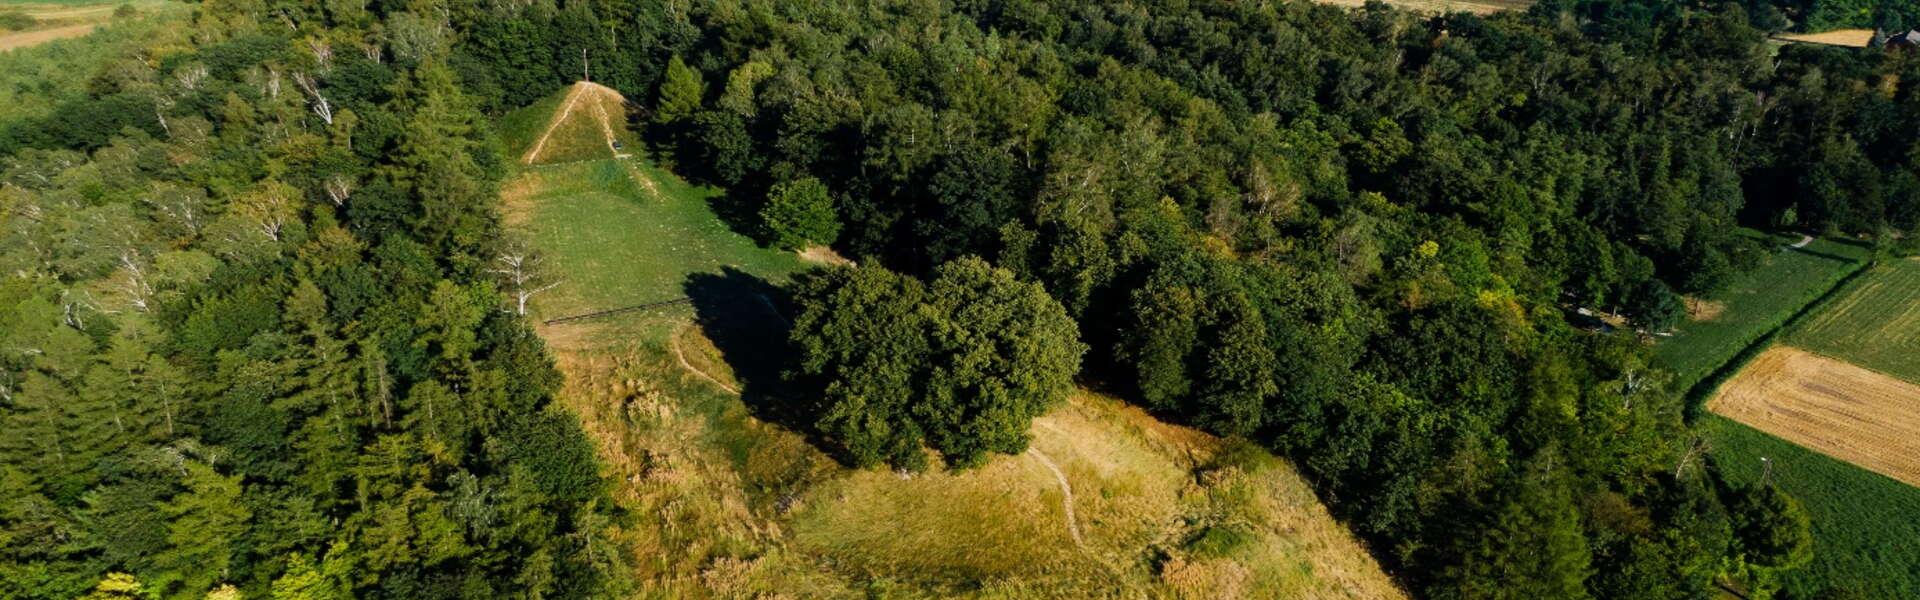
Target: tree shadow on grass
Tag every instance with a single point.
(746, 318)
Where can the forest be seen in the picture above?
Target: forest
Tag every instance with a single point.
(255, 340)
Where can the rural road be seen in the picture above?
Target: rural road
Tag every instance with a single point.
(1804, 240)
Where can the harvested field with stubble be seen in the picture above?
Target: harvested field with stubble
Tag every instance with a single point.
(1861, 416)
(1851, 38)
(1478, 7)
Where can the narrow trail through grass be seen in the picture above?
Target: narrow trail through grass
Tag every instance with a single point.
(1066, 494)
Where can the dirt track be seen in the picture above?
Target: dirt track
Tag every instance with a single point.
(1847, 412)
(34, 38)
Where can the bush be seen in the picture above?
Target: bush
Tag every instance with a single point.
(16, 21)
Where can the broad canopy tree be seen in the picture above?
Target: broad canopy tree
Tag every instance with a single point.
(959, 365)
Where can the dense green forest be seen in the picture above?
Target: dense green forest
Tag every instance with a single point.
(249, 341)
(253, 336)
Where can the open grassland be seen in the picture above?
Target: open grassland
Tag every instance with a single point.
(1865, 530)
(725, 499)
(1875, 323)
(1754, 305)
(1844, 411)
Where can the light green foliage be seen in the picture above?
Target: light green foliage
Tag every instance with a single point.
(799, 214)
(680, 93)
(118, 586)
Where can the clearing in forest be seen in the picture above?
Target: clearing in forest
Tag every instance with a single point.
(1861, 416)
(731, 499)
(1851, 38)
(1874, 324)
(1478, 7)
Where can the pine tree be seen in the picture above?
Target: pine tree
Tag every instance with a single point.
(680, 93)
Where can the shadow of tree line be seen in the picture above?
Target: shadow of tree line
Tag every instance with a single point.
(748, 320)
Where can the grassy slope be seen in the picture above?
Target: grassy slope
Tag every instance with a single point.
(1866, 527)
(723, 503)
(1875, 324)
(1755, 303)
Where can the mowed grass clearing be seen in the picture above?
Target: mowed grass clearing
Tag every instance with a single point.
(1866, 527)
(1753, 305)
(615, 243)
(1479, 7)
(1875, 323)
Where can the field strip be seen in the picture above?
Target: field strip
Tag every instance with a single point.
(1852, 38)
(1832, 407)
(551, 125)
(1066, 491)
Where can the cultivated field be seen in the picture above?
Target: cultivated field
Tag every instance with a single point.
(728, 499)
(1855, 408)
(1755, 304)
(1866, 534)
(1851, 413)
(1480, 7)
(1874, 324)
(1852, 38)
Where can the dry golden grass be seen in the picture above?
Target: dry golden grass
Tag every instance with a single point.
(34, 38)
(1853, 38)
(824, 255)
(591, 118)
(1847, 412)
(725, 505)
(1479, 7)
(1704, 310)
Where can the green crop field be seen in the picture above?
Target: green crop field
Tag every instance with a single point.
(1866, 536)
(1755, 304)
(1875, 323)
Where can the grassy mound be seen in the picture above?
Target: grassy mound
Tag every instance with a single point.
(724, 503)
(582, 122)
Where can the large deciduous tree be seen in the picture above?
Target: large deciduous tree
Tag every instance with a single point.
(960, 365)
